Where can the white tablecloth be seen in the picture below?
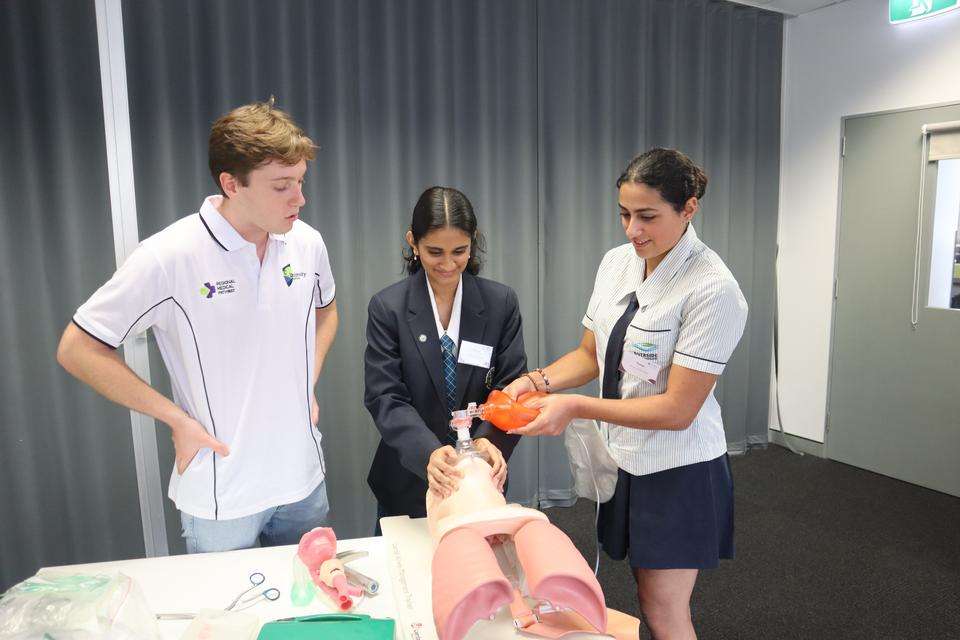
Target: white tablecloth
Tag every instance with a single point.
(188, 583)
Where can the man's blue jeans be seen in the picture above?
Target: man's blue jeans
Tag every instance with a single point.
(275, 526)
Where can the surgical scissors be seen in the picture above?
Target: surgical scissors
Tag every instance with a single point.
(256, 579)
(239, 603)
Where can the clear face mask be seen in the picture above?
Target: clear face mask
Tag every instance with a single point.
(460, 423)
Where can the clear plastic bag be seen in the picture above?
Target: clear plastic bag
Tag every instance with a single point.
(73, 606)
(590, 461)
(217, 624)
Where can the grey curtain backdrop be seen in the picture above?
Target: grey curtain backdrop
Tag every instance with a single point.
(531, 108)
(619, 77)
(399, 96)
(68, 486)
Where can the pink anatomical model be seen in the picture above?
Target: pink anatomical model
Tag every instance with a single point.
(317, 551)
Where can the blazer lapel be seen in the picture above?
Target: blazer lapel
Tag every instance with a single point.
(424, 329)
(473, 321)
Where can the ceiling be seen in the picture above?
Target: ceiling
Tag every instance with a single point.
(789, 7)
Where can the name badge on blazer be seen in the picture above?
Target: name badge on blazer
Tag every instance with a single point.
(475, 354)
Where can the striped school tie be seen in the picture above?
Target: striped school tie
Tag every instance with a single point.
(449, 360)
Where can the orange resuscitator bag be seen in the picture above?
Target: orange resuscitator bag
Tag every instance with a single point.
(507, 414)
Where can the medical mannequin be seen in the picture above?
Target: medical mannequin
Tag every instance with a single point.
(477, 492)
(490, 554)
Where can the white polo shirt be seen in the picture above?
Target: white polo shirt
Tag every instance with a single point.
(238, 339)
(691, 313)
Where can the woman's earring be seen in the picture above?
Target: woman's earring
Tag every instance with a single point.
(416, 257)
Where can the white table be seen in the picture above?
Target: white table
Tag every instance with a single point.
(399, 561)
(188, 583)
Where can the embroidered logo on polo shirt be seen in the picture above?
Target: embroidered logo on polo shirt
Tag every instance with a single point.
(289, 276)
(219, 287)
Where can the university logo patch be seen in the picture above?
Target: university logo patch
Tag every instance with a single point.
(289, 276)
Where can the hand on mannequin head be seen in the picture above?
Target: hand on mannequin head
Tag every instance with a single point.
(442, 474)
(476, 491)
(494, 458)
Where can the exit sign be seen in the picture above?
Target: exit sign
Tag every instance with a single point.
(907, 10)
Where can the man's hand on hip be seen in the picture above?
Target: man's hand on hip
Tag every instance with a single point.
(189, 437)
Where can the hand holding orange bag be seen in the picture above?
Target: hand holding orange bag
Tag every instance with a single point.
(508, 414)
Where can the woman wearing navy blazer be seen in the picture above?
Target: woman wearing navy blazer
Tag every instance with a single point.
(436, 341)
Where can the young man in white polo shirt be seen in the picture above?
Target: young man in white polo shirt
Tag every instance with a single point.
(240, 297)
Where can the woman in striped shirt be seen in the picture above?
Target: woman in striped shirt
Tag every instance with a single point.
(664, 317)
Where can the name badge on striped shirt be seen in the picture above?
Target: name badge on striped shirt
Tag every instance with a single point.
(640, 359)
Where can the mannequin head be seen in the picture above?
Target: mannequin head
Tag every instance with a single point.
(477, 492)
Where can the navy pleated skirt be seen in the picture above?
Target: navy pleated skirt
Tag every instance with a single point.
(679, 518)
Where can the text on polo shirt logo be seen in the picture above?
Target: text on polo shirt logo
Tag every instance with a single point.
(289, 276)
(220, 287)
(646, 350)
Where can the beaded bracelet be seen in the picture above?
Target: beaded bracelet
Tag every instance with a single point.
(546, 380)
(535, 387)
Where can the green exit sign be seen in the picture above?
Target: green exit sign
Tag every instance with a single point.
(907, 10)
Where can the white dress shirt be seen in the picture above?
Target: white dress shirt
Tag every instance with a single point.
(453, 327)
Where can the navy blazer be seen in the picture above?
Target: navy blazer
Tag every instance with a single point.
(403, 379)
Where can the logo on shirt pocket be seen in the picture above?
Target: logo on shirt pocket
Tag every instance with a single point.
(289, 276)
(218, 288)
(646, 350)
(653, 345)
